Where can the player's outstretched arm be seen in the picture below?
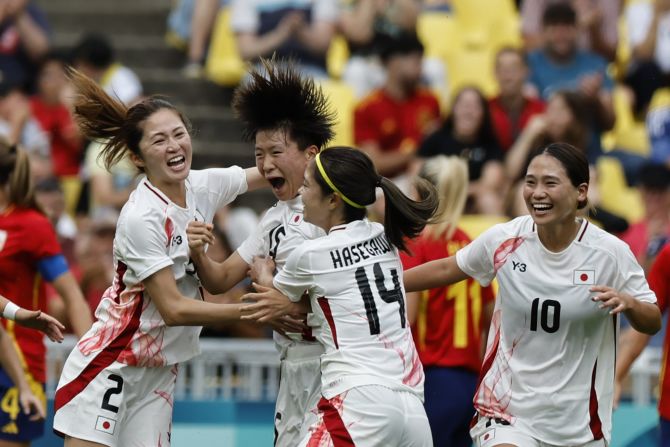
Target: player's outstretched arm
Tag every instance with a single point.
(438, 273)
(270, 304)
(255, 179)
(177, 310)
(78, 312)
(10, 362)
(631, 345)
(216, 277)
(644, 317)
(33, 319)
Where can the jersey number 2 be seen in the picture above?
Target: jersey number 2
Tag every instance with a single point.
(112, 391)
(388, 296)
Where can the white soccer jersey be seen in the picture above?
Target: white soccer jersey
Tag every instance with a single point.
(549, 366)
(281, 230)
(151, 235)
(354, 280)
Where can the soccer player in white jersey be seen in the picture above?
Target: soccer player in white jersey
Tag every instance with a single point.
(548, 373)
(371, 375)
(288, 118)
(117, 385)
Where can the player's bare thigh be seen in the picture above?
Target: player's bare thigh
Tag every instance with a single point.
(74, 442)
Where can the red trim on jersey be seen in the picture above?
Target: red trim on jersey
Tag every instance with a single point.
(334, 424)
(594, 424)
(169, 231)
(121, 270)
(157, 194)
(325, 307)
(583, 231)
(101, 361)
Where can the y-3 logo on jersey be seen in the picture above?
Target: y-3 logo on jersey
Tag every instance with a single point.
(519, 265)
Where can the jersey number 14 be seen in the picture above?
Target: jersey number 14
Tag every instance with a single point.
(388, 296)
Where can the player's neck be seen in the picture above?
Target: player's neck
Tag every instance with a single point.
(558, 236)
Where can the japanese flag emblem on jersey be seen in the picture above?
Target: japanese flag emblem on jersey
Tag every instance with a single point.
(584, 277)
(295, 219)
(105, 425)
(487, 437)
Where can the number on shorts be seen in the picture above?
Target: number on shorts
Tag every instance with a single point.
(111, 392)
(388, 296)
(10, 403)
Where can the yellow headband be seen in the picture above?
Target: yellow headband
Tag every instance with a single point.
(332, 185)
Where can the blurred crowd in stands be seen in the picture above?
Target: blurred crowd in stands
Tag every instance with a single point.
(488, 80)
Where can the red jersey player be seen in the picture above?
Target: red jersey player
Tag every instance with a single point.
(29, 254)
(448, 323)
(633, 342)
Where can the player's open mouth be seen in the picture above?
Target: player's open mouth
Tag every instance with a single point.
(177, 162)
(276, 182)
(542, 207)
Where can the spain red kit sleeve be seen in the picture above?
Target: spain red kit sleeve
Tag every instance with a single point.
(659, 277)
(42, 241)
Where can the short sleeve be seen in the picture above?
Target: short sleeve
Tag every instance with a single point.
(659, 278)
(476, 258)
(216, 188)
(253, 245)
(631, 279)
(143, 244)
(43, 239)
(244, 16)
(295, 278)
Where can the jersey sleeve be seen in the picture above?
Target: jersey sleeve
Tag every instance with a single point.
(253, 245)
(295, 278)
(143, 243)
(631, 276)
(659, 278)
(219, 186)
(476, 258)
(43, 239)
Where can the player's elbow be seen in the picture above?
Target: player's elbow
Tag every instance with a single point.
(651, 323)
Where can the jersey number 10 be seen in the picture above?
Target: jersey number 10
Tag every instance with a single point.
(388, 296)
(548, 326)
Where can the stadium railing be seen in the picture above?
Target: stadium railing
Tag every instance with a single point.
(227, 369)
(248, 370)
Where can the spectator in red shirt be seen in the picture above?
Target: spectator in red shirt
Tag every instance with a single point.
(390, 123)
(50, 110)
(512, 109)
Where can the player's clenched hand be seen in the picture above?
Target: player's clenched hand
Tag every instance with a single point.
(199, 234)
(35, 319)
(31, 405)
(611, 298)
(269, 304)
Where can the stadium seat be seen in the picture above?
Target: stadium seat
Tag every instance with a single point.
(436, 30)
(343, 101)
(476, 224)
(224, 65)
(615, 194)
(338, 54)
(628, 134)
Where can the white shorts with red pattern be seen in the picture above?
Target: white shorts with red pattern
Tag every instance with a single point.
(116, 406)
(370, 415)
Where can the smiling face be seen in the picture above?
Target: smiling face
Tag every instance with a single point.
(281, 162)
(550, 196)
(165, 149)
